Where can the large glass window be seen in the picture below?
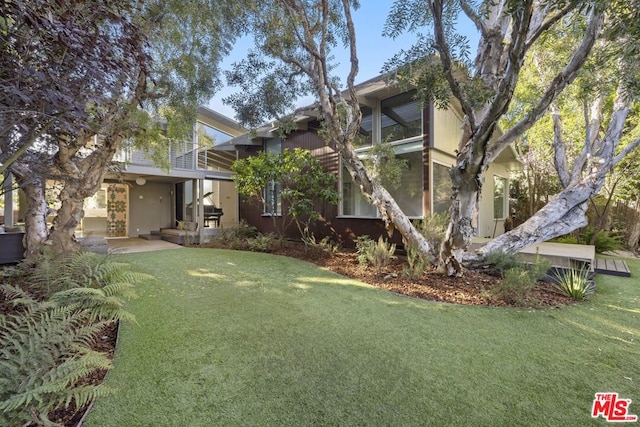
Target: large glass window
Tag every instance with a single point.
(401, 117)
(209, 137)
(272, 196)
(408, 195)
(441, 185)
(499, 197)
(365, 136)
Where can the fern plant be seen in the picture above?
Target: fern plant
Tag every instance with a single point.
(44, 351)
(45, 346)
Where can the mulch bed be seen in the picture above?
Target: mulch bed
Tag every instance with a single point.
(473, 288)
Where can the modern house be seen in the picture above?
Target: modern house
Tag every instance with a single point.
(143, 197)
(425, 136)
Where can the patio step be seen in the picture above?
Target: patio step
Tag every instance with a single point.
(151, 236)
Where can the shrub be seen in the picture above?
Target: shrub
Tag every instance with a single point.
(363, 245)
(376, 254)
(503, 261)
(45, 346)
(325, 245)
(605, 241)
(235, 237)
(417, 262)
(260, 243)
(566, 239)
(433, 228)
(574, 282)
(518, 278)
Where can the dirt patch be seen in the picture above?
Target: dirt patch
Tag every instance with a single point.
(473, 288)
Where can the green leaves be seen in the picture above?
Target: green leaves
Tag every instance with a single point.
(302, 181)
(45, 346)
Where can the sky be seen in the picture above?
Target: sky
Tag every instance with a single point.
(373, 49)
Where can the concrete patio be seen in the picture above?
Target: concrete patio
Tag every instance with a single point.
(136, 244)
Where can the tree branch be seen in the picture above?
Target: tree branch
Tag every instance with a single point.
(537, 32)
(558, 84)
(447, 62)
(560, 152)
(473, 16)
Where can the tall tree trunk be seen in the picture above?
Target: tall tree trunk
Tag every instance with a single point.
(634, 233)
(62, 234)
(35, 219)
(83, 178)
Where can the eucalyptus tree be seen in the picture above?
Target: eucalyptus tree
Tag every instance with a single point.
(108, 72)
(294, 41)
(594, 128)
(484, 88)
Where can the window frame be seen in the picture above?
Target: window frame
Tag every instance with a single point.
(505, 199)
(273, 185)
(361, 152)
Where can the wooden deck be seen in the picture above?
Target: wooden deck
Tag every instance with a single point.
(565, 255)
(612, 267)
(560, 254)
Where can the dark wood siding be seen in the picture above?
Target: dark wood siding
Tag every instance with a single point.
(344, 230)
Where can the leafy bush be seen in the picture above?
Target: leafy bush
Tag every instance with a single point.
(503, 261)
(566, 239)
(378, 255)
(234, 237)
(45, 346)
(518, 278)
(574, 282)
(363, 245)
(325, 245)
(605, 241)
(260, 243)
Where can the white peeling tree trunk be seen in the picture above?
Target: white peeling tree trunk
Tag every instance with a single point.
(567, 210)
(507, 35)
(35, 220)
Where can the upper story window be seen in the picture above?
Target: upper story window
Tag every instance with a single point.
(408, 195)
(365, 137)
(209, 137)
(401, 117)
(273, 145)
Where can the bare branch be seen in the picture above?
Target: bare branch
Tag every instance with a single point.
(537, 30)
(516, 55)
(473, 16)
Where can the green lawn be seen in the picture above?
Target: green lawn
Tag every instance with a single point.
(234, 338)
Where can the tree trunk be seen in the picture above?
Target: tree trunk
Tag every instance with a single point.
(562, 214)
(83, 179)
(62, 235)
(391, 213)
(634, 233)
(462, 225)
(35, 217)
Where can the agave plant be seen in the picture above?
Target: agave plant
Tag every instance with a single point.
(574, 282)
